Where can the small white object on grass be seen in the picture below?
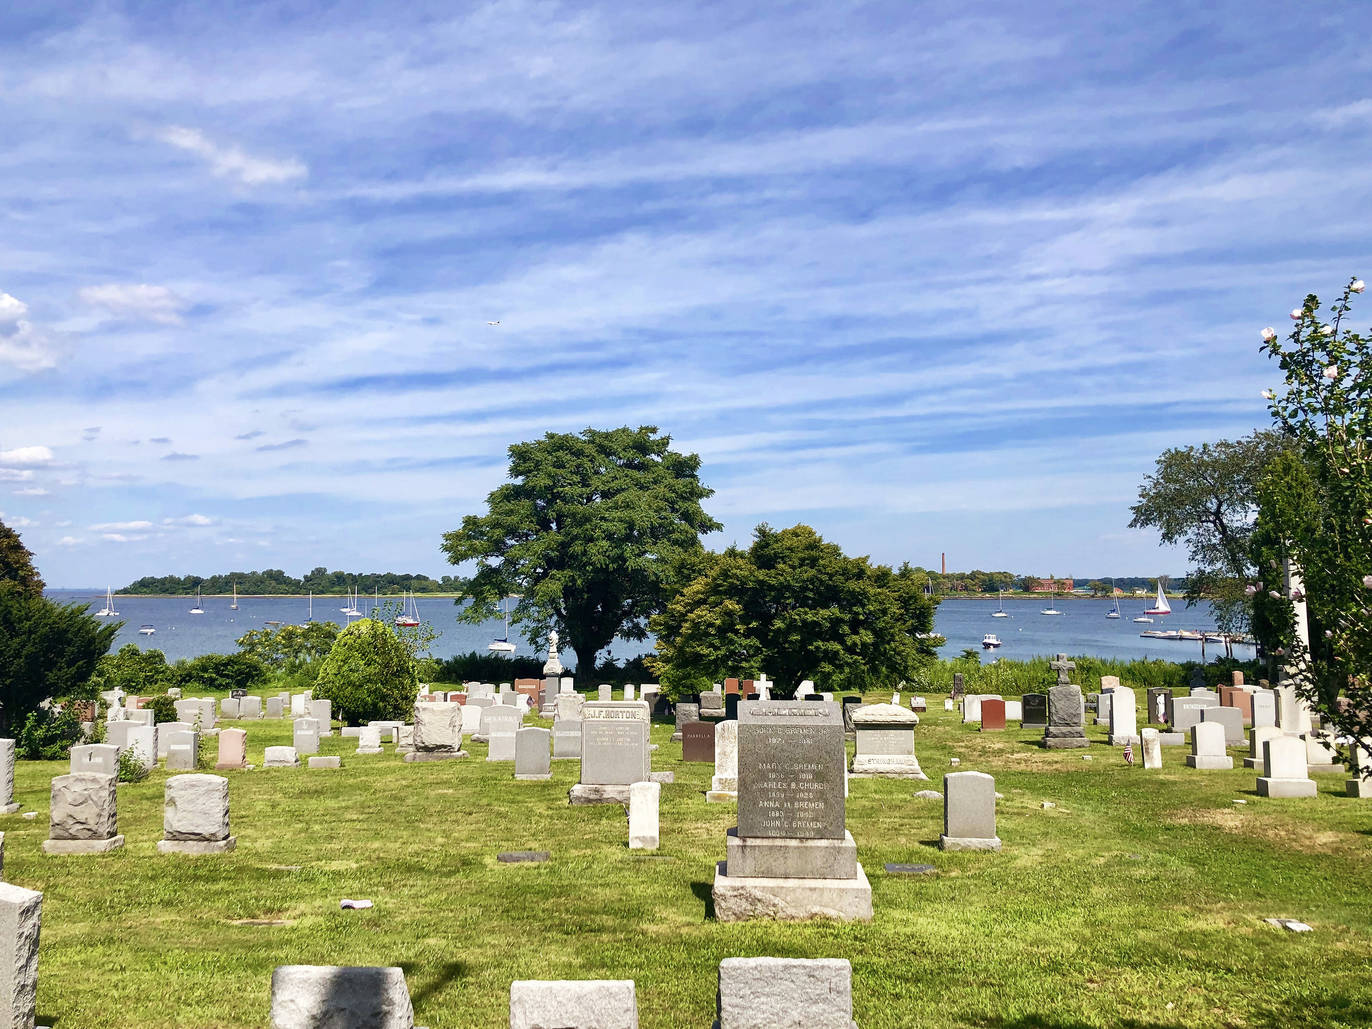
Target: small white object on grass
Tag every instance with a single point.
(1239, 800)
(955, 761)
(1087, 757)
(1047, 804)
(30, 815)
(1289, 924)
(354, 905)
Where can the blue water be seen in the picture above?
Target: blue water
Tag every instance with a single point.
(1081, 629)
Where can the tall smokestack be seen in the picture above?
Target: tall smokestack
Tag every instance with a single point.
(943, 563)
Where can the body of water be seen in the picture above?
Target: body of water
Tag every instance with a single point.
(1082, 628)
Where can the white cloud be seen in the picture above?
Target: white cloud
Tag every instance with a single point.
(21, 344)
(14, 475)
(135, 300)
(120, 526)
(193, 520)
(31, 491)
(16, 521)
(119, 537)
(25, 456)
(231, 161)
(69, 541)
(1335, 117)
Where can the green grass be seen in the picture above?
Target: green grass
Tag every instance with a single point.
(1136, 901)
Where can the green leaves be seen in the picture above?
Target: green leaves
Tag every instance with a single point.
(368, 674)
(590, 533)
(46, 650)
(795, 607)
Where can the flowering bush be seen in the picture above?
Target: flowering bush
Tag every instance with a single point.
(1316, 510)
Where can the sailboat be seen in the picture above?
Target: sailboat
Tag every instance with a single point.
(197, 610)
(409, 617)
(1000, 611)
(234, 605)
(503, 645)
(1160, 606)
(350, 609)
(310, 618)
(1051, 609)
(1114, 612)
(108, 610)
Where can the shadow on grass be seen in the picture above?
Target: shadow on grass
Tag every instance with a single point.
(706, 892)
(1049, 1022)
(426, 980)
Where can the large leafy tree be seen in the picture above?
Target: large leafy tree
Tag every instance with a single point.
(795, 607)
(591, 532)
(1206, 499)
(1317, 512)
(16, 564)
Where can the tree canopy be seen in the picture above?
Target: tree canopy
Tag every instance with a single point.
(1206, 498)
(1317, 513)
(369, 674)
(274, 581)
(16, 564)
(795, 607)
(46, 650)
(591, 532)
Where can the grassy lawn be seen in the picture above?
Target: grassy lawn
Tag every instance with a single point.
(1136, 901)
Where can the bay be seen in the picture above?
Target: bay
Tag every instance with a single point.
(1082, 628)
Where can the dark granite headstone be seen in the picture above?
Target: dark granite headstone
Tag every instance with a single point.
(850, 704)
(731, 706)
(238, 694)
(790, 770)
(1159, 701)
(895, 869)
(957, 685)
(1064, 719)
(698, 741)
(815, 696)
(1034, 711)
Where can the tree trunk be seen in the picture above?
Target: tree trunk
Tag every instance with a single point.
(585, 661)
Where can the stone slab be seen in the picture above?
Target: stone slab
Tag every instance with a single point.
(968, 843)
(1286, 787)
(194, 847)
(899, 869)
(21, 916)
(434, 755)
(739, 899)
(792, 859)
(785, 993)
(586, 793)
(82, 846)
(573, 1004)
(326, 761)
(514, 857)
(335, 997)
(1209, 762)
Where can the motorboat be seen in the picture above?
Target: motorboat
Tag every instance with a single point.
(990, 641)
(146, 630)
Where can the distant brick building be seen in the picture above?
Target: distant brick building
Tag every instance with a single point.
(1052, 586)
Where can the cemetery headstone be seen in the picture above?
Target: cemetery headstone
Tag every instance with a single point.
(250, 708)
(685, 712)
(969, 812)
(1320, 755)
(322, 712)
(101, 758)
(333, 997)
(731, 702)
(1232, 720)
(1360, 785)
(643, 823)
(1264, 708)
(500, 724)
(228, 707)
(850, 705)
(992, 715)
(764, 993)
(791, 856)
(233, 750)
(1152, 748)
(614, 751)
(141, 742)
(305, 736)
(1239, 698)
(1207, 747)
(724, 783)
(183, 748)
(1065, 729)
(21, 916)
(195, 816)
(1034, 711)
(274, 707)
(604, 692)
(280, 757)
(1284, 771)
(712, 706)
(1260, 735)
(437, 732)
(886, 742)
(957, 685)
(698, 741)
(531, 756)
(1124, 717)
(82, 815)
(572, 1003)
(369, 740)
(567, 740)
(568, 706)
(1158, 696)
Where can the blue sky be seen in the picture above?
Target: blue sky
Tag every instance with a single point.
(929, 277)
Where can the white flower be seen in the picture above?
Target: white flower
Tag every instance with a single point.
(1367, 581)
(1326, 330)
(1329, 634)
(1269, 334)
(1298, 595)
(1358, 286)
(1296, 313)
(1332, 372)
(1250, 590)
(1274, 594)
(1267, 394)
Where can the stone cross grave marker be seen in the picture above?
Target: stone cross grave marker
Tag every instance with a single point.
(1063, 666)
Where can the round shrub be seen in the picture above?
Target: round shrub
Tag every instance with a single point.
(368, 675)
(163, 708)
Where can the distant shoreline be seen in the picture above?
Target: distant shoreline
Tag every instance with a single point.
(99, 595)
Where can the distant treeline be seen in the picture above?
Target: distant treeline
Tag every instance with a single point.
(274, 580)
(977, 581)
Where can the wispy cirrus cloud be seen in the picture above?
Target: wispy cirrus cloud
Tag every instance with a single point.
(136, 300)
(21, 344)
(230, 161)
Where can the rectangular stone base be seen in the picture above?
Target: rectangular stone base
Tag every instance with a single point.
(1324, 769)
(1252, 762)
(535, 778)
(720, 796)
(583, 794)
(9, 809)
(887, 766)
(1065, 742)
(231, 766)
(1033, 725)
(369, 750)
(742, 898)
(968, 843)
(1124, 741)
(82, 846)
(1172, 739)
(1286, 787)
(1359, 788)
(790, 858)
(1208, 763)
(197, 846)
(435, 755)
